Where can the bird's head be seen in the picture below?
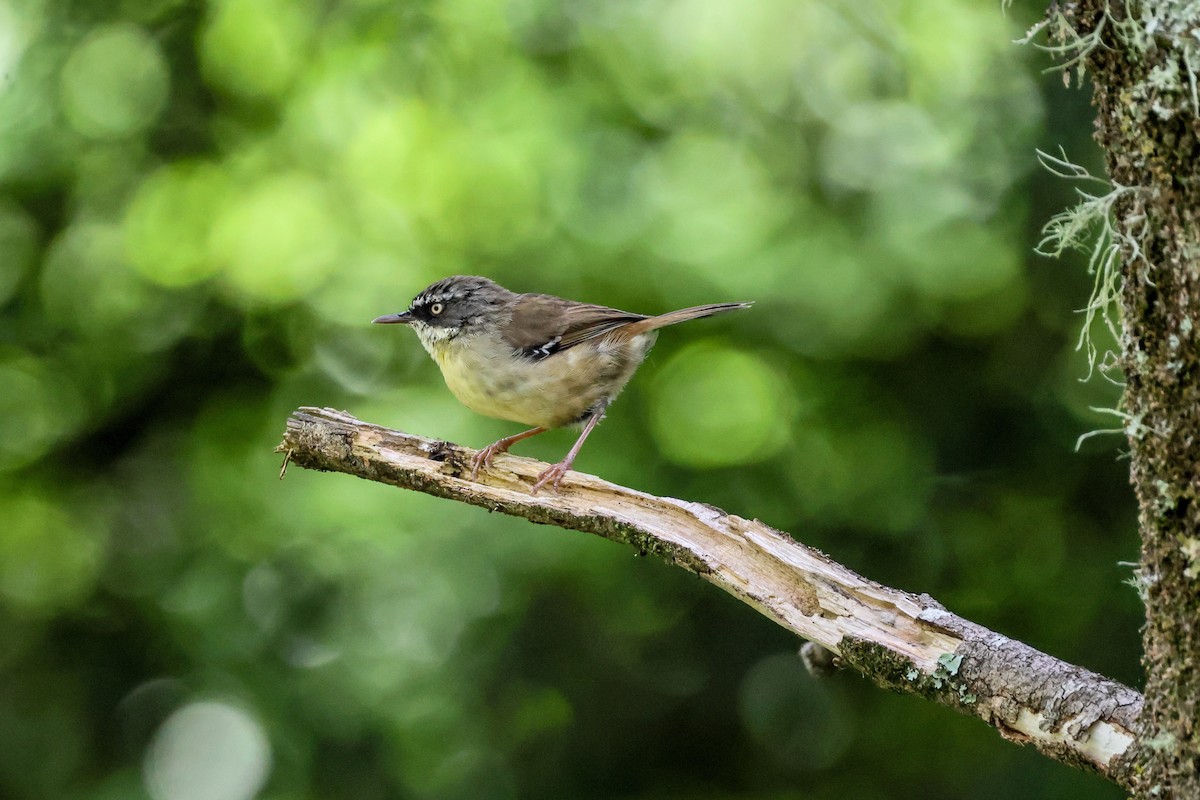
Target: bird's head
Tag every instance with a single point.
(451, 307)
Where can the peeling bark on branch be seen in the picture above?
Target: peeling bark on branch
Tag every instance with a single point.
(902, 641)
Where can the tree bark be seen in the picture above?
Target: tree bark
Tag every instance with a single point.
(905, 642)
(1143, 58)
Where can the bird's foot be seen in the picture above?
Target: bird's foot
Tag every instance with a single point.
(551, 476)
(483, 458)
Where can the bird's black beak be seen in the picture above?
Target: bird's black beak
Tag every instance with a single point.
(404, 317)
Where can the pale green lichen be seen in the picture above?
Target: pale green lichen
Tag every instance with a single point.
(1068, 44)
(948, 663)
(1167, 27)
(1162, 740)
(1164, 498)
(1190, 546)
(1088, 227)
(1164, 28)
(1134, 428)
(947, 668)
(896, 672)
(1138, 579)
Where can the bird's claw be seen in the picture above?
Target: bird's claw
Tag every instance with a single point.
(553, 476)
(483, 458)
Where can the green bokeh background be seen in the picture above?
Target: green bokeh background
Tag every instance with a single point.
(203, 205)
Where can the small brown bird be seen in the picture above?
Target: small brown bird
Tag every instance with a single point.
(533, 358)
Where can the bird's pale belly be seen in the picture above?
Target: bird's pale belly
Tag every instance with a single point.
(555, 391)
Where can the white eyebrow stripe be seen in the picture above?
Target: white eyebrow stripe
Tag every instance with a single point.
(428, 300)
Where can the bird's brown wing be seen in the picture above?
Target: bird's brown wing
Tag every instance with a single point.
(542, 325)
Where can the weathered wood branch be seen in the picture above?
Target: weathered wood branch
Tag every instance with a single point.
(902, 641)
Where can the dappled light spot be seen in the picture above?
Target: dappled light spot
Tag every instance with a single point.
(713, 198)
(881, 145)
(208, 750)
(414, 164)
(716, 406)
(278, 240)
(169, 220)
(750, 47)
(255, 48)
(49, 559)
(115, 83)
(16, 31)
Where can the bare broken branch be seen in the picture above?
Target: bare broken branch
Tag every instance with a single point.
(905, 642)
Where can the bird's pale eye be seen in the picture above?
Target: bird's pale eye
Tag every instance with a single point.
(436, 309)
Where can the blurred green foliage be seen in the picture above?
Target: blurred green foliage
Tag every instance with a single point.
(203, 205)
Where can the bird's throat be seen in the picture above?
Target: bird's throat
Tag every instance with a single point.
(437, 341)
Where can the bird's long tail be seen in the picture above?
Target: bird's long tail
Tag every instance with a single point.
(682, 315)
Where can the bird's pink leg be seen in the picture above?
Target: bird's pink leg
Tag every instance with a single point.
(554, 474)
(483, 458)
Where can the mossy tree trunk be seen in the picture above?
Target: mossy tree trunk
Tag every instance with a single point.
(1143, 59)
